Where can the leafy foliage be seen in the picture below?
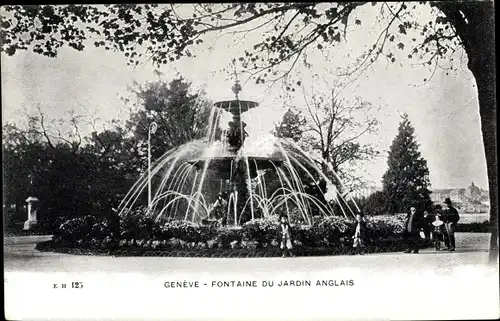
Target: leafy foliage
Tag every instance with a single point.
(291, 126)
(374, 204)
(168, 32)
(137, 224)
(181, 115)
(330, 230)
(226, 237)
(263, 231)
(84, 228)
(385, 225)
(186, 231)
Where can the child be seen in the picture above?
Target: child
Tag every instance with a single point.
(286, 236)
(218, 209)
(359, 234)
(426, 226)
(437, 231)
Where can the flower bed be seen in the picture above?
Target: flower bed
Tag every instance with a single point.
(139, 233)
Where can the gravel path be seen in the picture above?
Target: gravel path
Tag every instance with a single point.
(20, 255)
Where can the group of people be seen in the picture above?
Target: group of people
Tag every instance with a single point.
(439, 227)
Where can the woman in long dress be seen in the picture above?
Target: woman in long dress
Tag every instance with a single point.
(359, 234)
(286, 236)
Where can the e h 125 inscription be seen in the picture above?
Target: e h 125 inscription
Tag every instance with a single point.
(72, 285)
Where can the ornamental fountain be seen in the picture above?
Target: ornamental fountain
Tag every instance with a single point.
(188, 179)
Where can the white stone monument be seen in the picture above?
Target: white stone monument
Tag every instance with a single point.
(31, 212)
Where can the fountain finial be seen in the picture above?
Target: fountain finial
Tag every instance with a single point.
(236, 87)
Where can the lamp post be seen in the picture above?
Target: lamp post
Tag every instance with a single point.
(152, 129)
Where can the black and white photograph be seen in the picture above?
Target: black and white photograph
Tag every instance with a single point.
(250, 161)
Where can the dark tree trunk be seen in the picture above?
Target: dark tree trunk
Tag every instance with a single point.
(487, 111)
(474, 22)
(481, 55)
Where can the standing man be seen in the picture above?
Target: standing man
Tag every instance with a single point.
(450, 218)
(412, 228)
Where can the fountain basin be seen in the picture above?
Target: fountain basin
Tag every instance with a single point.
(225, 164)
(236, 106)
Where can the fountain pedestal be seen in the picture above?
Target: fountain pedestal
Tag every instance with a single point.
(236, 168)
(32, 211)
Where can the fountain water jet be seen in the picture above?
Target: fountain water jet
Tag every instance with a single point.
(183, 178)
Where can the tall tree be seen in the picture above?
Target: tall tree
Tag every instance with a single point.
(291, 28)
(181, 115)
(71, 174)
(331, 127)
(22, 165)
(291, 126)
(113, 163)
(406, 182)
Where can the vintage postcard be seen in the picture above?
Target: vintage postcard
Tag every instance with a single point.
(250, 161)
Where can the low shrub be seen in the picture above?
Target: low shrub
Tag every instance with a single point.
(53, 224)
(329, 230)
(261, 230)
(384, 226)
(137, 224)
(187, 231)
(305, 236)
(85, 230)
(225, 237)
(475, 227)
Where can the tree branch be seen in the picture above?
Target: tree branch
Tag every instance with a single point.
(44, 131)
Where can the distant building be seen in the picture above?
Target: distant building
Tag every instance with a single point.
(468, 200)
(439, 195)
(457, 195)
(473, 192)
(472, 199)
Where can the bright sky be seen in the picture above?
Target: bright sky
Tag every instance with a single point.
(444, 111)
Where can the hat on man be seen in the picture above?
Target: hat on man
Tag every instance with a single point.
(447, 201)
